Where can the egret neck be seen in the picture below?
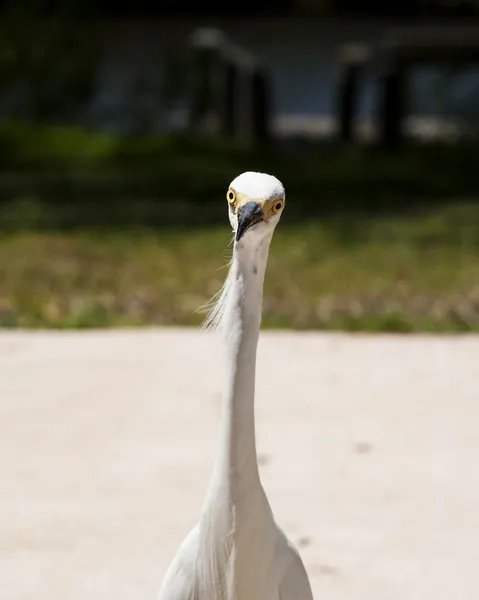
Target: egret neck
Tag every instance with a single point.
(237, 466)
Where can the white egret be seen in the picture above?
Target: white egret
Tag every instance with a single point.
(236, 551)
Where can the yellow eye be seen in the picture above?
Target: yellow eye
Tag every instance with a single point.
(231, 197)
(277, 206)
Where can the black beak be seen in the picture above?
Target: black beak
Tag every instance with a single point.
(248, 215)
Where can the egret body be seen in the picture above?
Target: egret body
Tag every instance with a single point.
(236, 551)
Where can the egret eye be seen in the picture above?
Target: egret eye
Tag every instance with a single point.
(231, 197)
(277, 206)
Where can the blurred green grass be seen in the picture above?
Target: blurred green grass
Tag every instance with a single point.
(416, 272)
(101, 230)
(68, 177)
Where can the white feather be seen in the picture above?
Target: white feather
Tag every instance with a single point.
(217, 305)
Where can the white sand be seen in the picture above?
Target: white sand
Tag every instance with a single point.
(369, 449)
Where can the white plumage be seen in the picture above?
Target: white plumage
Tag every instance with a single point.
(236, 551)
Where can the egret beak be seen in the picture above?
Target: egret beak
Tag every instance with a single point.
(248, 215)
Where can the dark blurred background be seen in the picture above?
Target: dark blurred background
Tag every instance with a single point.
(122, 123)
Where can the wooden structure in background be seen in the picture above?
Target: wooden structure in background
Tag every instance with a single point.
(398, 50)
(231, 91)
(352, 61)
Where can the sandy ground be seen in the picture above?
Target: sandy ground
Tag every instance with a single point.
(369, 449)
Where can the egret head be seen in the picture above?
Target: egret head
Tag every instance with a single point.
(255, 203)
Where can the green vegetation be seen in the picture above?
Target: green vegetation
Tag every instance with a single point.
(98, 230)
(57, 177)
(415, 273)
